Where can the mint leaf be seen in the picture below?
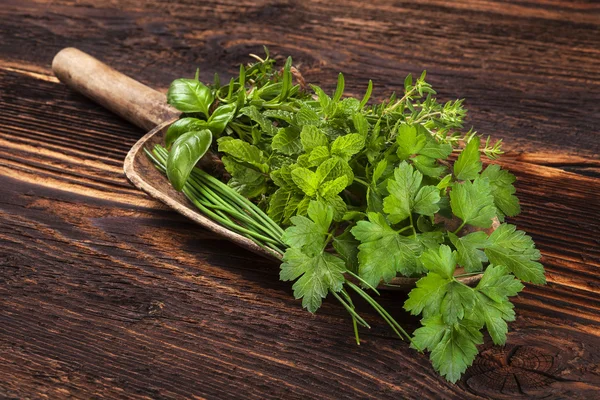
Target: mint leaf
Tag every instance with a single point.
(278, 202)
(332, 188)
(312, 137)
(318, 155)
(501, 182)
(468, 164)
(318, 274)
(287, 141)
(245, 179)
(307, 116)
(263, 122)
(514, 249)
(348, 145)
(306, 180)
(383, 252)
(473, 202)
(244, 152)
(468, 248)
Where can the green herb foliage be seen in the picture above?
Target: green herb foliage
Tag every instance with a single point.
(365, 193)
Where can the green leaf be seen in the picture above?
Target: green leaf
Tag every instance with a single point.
(492, 305)
(332, 188)
(459, 299)
(383, 252)
(361, 125)
(278, 202)
(309, 234)
(190, 96)
(468, 247)
(426, 201)
(287, 141)
(244, 152)
(501, 182)
(264, 123)
(428, 166)
(498, 284)
(494, 315)
(220, 118)
(306, 180)
(410, 141)
(468, 164)
(245, 180)
(473, 202)
(457, 349)
(379, 170)
(348, 145)
(313, 137)
(442, 261)
(282, 177)
(402, 189)
(338, 205)
(318, 155)
(307, 116)
(181, 126)
(339, 90)
(186, 151)
(514, 249)
(318, 274)
(434, 149)
(427, 296)
(347, 247)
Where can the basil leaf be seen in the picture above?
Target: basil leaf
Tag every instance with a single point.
(187, 150)
(182, 126)
(190, 96)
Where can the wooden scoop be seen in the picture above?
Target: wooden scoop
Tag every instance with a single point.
(148, 109)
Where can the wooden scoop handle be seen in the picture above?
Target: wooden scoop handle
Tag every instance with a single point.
(132, 100)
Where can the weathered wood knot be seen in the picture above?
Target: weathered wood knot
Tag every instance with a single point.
(512, 370)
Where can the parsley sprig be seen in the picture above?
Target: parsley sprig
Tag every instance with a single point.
(351, 195)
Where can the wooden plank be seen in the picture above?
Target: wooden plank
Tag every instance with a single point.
(108, 294)
(105, 293)
(530, 71)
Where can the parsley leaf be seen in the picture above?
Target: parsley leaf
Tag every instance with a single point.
(409, 141)
(383, 252)
(319, 274)
(473, 202)
(515, 250)
(309, 234)
(468, 164)
(453, 347)
(501, 182)
(468, 247)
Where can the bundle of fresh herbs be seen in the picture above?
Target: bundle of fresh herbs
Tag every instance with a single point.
(351, 195)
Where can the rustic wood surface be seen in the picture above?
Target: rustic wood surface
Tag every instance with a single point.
(105, 293)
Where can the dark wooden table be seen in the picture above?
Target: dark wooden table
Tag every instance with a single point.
(105, 293)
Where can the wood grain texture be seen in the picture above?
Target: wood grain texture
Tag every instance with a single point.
(105, 293)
